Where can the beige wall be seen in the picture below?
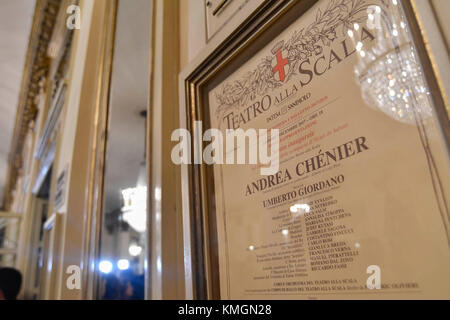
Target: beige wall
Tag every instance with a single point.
(76, 138)
(192, 30)
(442, 10)
(71, 109)
(436, 31)
(166, 252)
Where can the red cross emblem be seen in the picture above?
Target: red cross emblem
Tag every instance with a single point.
(280, 64)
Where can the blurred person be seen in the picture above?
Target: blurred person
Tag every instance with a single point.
(112, 287)
(10, 283)
(133, 286)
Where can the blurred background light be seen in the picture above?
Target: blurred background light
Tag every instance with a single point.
(105, 266)
(135, 250)
(123, 264)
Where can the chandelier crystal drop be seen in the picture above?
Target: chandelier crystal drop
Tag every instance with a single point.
(135, 207)
(389, 72)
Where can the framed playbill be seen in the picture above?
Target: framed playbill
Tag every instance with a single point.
(358, 203)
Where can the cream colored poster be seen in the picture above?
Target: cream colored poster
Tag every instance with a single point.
(359, 207)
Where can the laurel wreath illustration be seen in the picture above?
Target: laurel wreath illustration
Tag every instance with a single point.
(339, 15)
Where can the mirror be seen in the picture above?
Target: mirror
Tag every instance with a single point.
(121, 263)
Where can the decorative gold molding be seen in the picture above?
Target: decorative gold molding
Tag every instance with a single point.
(36, 69)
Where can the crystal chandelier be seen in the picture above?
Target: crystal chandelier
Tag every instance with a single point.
(135, 207)
(389, 72)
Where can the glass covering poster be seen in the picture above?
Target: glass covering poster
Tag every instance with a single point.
(359, 206)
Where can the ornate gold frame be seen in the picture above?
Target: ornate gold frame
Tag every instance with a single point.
(37, 66)
(198, 183)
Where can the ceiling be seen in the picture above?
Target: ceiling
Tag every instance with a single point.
(16, 17)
